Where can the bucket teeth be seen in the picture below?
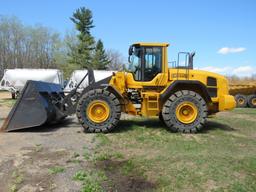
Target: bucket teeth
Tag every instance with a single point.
(38, 104)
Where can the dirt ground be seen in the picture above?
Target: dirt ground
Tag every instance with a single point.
(5, 95)
(46, 158)
(26, 157)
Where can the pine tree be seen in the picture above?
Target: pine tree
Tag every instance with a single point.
(81, 55)
(100, 58)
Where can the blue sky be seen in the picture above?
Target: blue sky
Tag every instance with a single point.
(223, 33)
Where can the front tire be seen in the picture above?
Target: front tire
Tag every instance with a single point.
(160, 117)
(98, 111)
(185, 111)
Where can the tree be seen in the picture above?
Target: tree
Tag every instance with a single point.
(100, 59)
(116, 60)
(27, 46)
(82, 53)
(69, 43)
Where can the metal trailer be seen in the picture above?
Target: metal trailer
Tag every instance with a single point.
(14, 80)
(78, 75)
(245, 94)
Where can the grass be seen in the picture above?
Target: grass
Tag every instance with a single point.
(247, 111)
(56, 170)
(220, 158)
(75, 155)
(91, 180)
(108, 156)
(17, 178)
(38, 148)
(7, 102)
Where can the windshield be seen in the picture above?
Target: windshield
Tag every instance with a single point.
(135, 60)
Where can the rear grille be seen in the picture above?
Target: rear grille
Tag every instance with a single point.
(211, 81)
(212, 86)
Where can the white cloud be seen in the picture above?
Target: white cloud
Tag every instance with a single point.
(221, 70)
(241, 71)
(244, 71)
(227, 50)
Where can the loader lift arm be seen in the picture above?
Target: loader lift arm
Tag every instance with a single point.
(69, 103)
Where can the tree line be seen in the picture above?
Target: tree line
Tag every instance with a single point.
(38, 46)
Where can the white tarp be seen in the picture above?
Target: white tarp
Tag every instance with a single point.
(15, 79)
(78, 75)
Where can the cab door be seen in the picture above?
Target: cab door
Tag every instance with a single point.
(152, 62)
(152, 72)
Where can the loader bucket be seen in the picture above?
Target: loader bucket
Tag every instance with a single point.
(37, 105)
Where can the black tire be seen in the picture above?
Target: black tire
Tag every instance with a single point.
(174, 101)
(241, 101)
(252, 101)
(161, 118)
(113, 105)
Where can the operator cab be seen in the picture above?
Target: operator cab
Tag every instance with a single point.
(146, 60)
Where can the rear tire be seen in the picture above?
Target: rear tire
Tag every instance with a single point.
(185, 111)
(98, 111)
(252, 101)
(241, 101)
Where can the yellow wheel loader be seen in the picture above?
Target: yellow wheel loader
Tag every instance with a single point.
(181, 97)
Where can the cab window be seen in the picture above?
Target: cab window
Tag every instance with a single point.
(152, 62)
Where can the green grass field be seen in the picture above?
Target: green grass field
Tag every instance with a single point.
(221, 158)
(7, 102)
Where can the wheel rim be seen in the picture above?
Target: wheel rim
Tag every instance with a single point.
(186, 112)
(241, 101)
(98, 111)
(254, 101)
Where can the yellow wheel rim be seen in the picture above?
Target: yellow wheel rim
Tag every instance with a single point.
(254, 101)
(98, 111)
(241, 101)
(186, 112)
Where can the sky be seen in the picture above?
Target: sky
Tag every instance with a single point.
(221, 32)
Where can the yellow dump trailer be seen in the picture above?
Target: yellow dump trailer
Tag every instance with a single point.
(245, 94)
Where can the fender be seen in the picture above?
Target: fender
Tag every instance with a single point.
(185, 85)
(103, 84)
(69, 107)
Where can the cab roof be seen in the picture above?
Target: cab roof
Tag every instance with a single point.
(151, 44)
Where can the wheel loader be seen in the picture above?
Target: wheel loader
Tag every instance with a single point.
(180, 96)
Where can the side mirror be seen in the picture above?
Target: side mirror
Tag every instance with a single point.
(130, 52)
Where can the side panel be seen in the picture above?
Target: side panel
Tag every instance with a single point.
(160, 80)
(117, 84)
(211, 84)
